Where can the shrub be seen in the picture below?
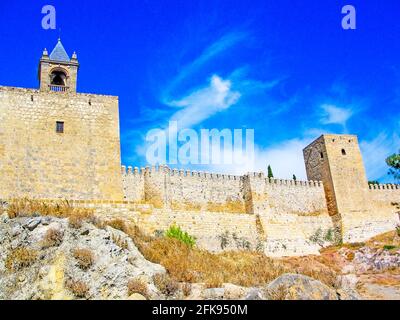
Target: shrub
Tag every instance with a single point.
(165, 284)
(389, 247)
(187, 289)
(20, 258)
(75, 221)
(79, 288)
(137, 286)
(279, 293)
(84, 258)
(120, 242)
(52, 238)
(117, 224)
(176, 232)
(224, 239)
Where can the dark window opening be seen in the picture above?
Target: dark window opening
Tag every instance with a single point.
(58, 78)
(343, 152)
(322, 155)
(60, 127)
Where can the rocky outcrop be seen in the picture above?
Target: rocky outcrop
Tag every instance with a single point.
(299, 287)
(55, 271)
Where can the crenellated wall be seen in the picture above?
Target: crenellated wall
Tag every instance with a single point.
(282, 215)
(179, 189)
(164, 187)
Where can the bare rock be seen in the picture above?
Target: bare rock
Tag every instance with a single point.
(136, 296)
(299, 287)
(233, 292)
(255, 294)
(33, 223)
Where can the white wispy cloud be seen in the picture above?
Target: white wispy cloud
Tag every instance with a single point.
(204, 102)
(285, 159)
(332, 114)
(375, 152)
(215, 49)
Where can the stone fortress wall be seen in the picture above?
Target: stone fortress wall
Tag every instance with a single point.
(279, 215)
(83, 164)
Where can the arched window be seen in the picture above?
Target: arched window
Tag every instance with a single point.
(58, 78)
(343, 152)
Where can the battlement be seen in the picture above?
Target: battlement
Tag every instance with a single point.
(384, 186)
(154, 170)
(37, 92)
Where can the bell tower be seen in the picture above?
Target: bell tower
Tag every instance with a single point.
(57, 72)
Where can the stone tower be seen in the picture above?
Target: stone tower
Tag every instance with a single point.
(57, 143)
(58, 72)
(336, 160)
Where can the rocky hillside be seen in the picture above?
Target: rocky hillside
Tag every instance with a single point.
(48, 257)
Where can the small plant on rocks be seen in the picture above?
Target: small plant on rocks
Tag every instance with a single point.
(187, 289)
(79, 288)
(176, 232)
(120, 242)
(84, 258)
(165, 284)
(117, 224)
(138, 286)
(52, 238)
(20, 258)
(224, 239)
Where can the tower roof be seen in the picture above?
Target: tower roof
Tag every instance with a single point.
(59, 53)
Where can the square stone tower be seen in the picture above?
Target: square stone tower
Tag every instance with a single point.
(56, 143)
(336, 160)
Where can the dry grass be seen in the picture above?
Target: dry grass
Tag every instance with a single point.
(52, 238)
(84, 258)
(117, 224)
(138, 286)
(187, 289)
(120, 242)
(165, 284)
(386, 239)
(385, 279)
(79, 288)
(62, 209)
(244, 268)
(20, 258)
(195, 265)
(280, 293)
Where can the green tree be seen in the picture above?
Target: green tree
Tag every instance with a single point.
(270, 174)
(294, 177)
(394, 163)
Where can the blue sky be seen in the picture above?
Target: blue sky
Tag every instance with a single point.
(285, 68)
